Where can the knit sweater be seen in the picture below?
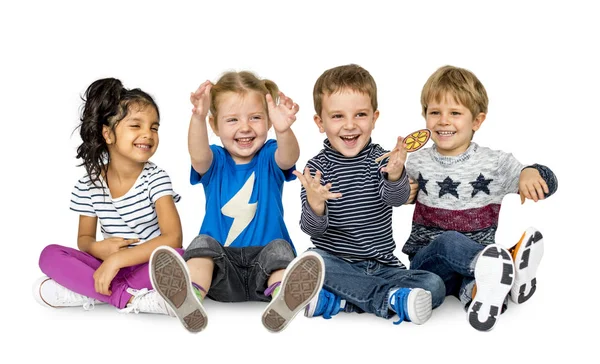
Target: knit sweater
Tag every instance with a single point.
(463, 193)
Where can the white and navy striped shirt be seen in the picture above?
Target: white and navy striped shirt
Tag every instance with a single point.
(357, 226)
(131, 216)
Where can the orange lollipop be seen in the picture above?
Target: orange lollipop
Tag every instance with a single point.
(414, 141)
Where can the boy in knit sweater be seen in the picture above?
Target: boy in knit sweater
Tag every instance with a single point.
(460, 190)
(347, 201)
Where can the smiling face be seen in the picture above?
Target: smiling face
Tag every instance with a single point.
(347, 118)
(452, 125)
(242, 124)
(135, 138)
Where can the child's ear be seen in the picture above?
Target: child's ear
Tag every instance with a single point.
(319, 123)
(106, 134)
(375, 117)
(479, 119)
(213, 125)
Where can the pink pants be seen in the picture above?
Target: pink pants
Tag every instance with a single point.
(75, 269)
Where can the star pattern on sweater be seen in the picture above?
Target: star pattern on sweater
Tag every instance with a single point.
(422, 183)
(480, 184)
(448, 186)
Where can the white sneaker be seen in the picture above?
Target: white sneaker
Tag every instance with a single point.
(51, 294)
(146, 301)
(527, 255)
(301, 283)
(494, 276)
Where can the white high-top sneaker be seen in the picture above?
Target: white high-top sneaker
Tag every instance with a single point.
(146, 301)
(51, 294)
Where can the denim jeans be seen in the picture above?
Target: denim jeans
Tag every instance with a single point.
(451, 256)
(240, 274)
(366, 285)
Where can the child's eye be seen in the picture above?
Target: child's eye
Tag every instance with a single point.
(455, 113)
(155, 128)
(434, 113)
(256, 117)
(361, 114)
(232, 120)
(336, 116)
(134, 126)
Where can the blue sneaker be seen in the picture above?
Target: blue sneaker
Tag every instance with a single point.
(325, 304)
(411, 304)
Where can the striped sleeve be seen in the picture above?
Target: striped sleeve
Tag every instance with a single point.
(311, 223)
(159, 185)
(394, 193)
(81, 198)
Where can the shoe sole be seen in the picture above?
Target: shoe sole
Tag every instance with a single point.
(527, 256)
(171, 279)
(494, 276)
(302, 281)
(419, 306)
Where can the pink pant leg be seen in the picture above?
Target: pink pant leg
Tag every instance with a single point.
(75, 269)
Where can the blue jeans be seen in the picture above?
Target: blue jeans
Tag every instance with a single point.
(451, 256)
(366, 285)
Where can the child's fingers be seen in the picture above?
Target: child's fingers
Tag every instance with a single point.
(300, 177)
(522, 197)
(544, 186)
(530, 193)
(270, 102)
(539, 190)
(333, 195)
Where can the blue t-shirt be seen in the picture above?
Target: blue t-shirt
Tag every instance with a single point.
(243, 201)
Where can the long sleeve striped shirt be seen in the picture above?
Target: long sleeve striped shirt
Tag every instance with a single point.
(358, 225)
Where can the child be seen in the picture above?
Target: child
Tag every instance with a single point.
(243, 247)
(352, 227)
(128, 195)
(461, 186)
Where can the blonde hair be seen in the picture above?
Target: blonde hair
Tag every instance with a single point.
(241, 83)
(461, 84)
(351, 77)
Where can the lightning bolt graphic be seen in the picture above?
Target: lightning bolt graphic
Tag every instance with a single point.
(240, 210)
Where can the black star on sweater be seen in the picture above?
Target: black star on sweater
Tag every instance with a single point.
(422, 183)
(448, 186)
(480, 184)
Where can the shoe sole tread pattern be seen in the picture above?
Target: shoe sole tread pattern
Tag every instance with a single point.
(302, 281)
(171, 280)
(419, 306)
(527, 255)
(494, 276)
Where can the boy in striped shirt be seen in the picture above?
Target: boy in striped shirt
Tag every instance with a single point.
(347, 202)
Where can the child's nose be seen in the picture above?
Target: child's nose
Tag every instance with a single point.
(349, 124)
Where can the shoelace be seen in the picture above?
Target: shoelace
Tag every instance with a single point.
(134, 306)
(400, 297)
(65, 296)
(332, 304)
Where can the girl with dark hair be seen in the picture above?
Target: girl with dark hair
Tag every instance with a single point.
(128, 195)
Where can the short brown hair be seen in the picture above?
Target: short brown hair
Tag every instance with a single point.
(241, 83)
(461, 84)
(351, 77)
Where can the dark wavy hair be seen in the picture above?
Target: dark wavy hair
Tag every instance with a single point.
(105, 102)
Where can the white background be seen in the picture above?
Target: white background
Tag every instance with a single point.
(538, 61)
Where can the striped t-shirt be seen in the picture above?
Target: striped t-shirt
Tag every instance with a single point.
(358, 225)
(131, 216)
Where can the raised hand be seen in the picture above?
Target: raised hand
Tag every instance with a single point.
(201, 99)
(282, 115)
(396, 160)
(316, 194)
(531, 185)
